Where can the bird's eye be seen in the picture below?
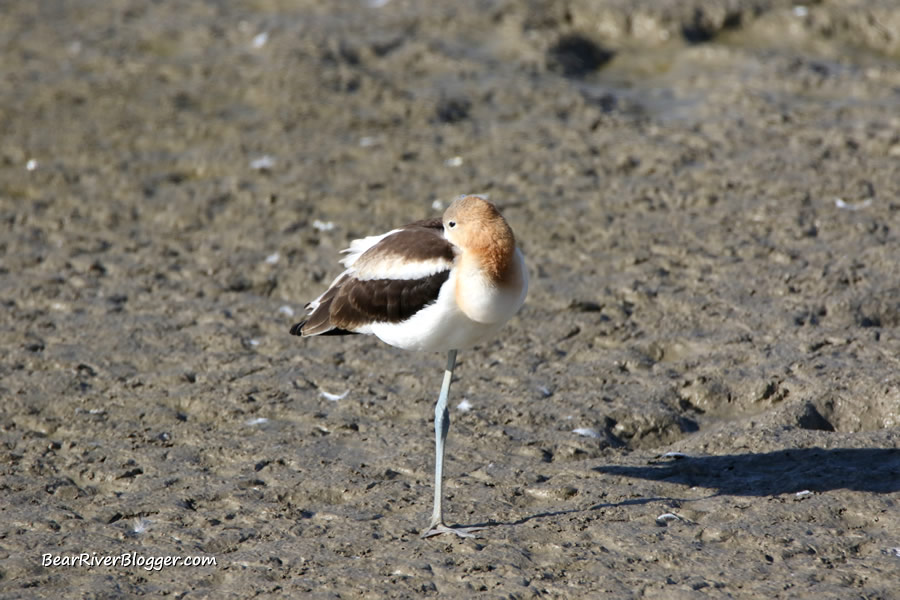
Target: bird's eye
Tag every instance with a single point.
(451, 224)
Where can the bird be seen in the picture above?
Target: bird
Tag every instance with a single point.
(441, 284)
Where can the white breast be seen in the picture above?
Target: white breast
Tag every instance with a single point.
(483, 301)
(440, 326)
(445, 325)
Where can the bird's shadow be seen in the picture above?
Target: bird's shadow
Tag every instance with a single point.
(873, 470)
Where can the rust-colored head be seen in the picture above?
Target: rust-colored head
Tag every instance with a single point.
(477, 227)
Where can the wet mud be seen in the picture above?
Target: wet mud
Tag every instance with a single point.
(701, 397)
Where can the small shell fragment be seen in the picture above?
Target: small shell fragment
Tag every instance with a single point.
(260, 39)
(333, 397)
(664, 519)
(675, 455)
(843, 204)
(587, 432)
(263, 163)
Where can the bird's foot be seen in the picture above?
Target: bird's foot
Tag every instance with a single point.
(439, 528)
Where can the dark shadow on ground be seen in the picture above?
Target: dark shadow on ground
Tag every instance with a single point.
(874, 470)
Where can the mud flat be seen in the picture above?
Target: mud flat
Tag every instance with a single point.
(701, 397)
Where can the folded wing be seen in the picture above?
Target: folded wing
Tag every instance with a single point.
(389, 279)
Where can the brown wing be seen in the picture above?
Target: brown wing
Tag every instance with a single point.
(360, 302)
(319, 321)
(352, 302)
(420, 246)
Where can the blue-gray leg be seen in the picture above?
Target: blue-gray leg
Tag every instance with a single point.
(441, 427)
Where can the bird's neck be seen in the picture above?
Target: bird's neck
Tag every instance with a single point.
(492, 253)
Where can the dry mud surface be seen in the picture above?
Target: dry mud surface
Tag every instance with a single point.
(708, 196)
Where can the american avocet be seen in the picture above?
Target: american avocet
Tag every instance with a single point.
(439, 284)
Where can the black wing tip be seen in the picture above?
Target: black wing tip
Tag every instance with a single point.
(298, 330)
(339, 331)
